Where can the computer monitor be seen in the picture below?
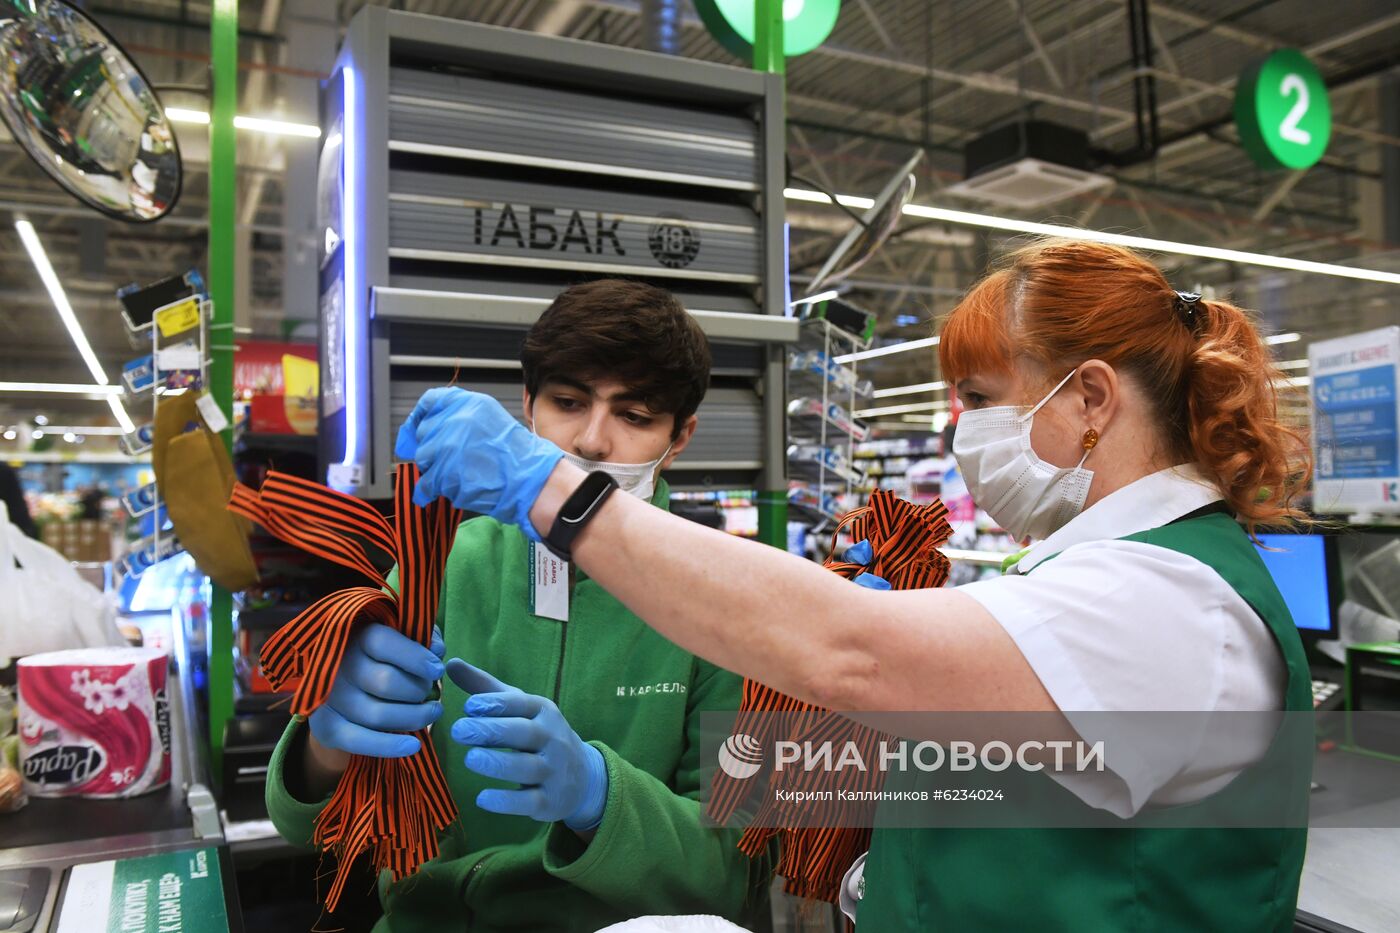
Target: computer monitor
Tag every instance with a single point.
(1306, 569)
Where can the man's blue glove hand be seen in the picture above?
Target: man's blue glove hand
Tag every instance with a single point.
(523, 738)
(473, 451)
(862, 553)
(381, 690)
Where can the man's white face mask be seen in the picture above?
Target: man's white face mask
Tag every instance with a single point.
(638, 479)
(1023, 493)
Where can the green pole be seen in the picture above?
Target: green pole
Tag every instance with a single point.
(768, 37)
(223, 192)
(768, 57)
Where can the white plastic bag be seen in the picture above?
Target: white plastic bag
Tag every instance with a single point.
(45, 605)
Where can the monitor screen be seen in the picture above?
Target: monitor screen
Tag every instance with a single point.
(1298, 565)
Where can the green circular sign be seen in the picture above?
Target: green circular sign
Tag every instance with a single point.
(1282, 111)
(806, 23)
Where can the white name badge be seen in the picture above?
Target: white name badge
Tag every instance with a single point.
(549, 584)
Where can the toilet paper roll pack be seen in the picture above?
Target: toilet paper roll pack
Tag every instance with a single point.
(94, 722)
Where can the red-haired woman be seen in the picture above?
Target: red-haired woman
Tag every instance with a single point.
(1131, 430)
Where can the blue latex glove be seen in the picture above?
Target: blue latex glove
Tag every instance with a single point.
(381, 691)
(475, 453)
(862, 553)
(516, 736)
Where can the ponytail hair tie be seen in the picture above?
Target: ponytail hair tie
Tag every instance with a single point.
(1186, 308)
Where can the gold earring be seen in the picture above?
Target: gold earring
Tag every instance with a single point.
(1091, 438)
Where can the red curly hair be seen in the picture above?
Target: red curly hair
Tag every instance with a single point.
(1062, 302)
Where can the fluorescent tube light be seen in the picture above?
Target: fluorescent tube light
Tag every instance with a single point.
(1277, 339)
(900, 409)
(120, 414)
(886, 351)
(61, 388)
(910, 390)
(813, 299)
(278, 127)
(59, 297)
(90, 430)
(1013, 225)
(256, 124)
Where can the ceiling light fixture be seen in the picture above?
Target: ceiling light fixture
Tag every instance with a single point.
(910, 390)
(813, 299)
(886, 351)
(1276, 339)
(88, 429)
(60, 388)
(1013, 225)
(40, 258)
(901, 409)
(256, 124)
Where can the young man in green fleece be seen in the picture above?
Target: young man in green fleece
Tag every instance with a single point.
(576, 765)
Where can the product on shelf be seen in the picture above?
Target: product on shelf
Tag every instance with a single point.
(830, 457)
(832, 413)
(844, 379)
(808, 496)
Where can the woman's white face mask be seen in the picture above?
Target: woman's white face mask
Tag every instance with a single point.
(1023, 493)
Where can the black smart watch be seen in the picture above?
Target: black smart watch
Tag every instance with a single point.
(576, 513)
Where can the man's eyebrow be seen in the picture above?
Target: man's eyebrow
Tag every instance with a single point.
(583, 387)
(626, 395)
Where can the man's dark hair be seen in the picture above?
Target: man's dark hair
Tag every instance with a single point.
(635, 333)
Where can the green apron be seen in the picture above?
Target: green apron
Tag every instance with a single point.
(1118, 879)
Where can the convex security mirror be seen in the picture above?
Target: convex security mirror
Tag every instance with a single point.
(865, 239)
(80, 107)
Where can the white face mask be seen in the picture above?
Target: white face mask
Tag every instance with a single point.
(1023, 493)
(638, 479)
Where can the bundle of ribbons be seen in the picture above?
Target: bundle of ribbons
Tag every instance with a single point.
(904, 539)
(391, 808)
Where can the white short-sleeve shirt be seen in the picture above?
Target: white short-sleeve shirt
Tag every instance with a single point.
(1122, 626)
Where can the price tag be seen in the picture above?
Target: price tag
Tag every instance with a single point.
(214, 417)
(180, 356)
(178, 317)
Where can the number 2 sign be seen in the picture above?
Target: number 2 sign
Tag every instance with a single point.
(1282, 112)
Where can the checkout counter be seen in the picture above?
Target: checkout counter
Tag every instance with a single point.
(70, 865)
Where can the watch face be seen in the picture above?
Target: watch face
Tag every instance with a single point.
(577, 511)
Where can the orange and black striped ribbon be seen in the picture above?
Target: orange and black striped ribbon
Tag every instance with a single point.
(392, 809)
(904, 539)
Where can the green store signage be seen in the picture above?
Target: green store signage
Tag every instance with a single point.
(806, 23)
(1282, 112)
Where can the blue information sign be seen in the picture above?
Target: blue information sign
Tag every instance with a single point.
(1356, 422)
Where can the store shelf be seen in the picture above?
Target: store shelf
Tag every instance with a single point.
(804, 381)
(807, 416)
(814, 472)
(812, 512)
(817, 333)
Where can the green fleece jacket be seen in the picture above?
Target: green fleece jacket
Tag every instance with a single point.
(632, 694)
